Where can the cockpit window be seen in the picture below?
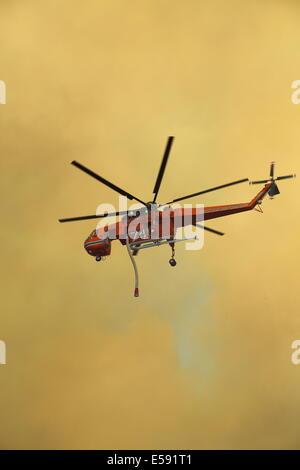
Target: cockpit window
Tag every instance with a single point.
(93, 234)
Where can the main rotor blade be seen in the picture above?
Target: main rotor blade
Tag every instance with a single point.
(260, 182)
(285, 177)
(272, 170)
(106, 182)
(86, 217)
(162, 167)
(209, 190)
(210, 229)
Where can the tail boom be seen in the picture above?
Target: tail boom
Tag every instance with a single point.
(220, 211)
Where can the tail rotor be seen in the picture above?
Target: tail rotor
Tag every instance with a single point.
(273, 191)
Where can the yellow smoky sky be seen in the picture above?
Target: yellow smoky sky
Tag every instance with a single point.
(203, 358)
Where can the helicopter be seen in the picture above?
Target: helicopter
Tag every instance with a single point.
(155, 224)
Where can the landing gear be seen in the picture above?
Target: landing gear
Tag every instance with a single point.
(172, 260)
(98, 258)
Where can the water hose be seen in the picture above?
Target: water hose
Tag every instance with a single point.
(136, 284)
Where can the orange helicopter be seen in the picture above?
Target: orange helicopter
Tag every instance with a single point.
(156, 224)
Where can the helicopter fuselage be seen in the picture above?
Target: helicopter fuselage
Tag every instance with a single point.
(160, 224)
